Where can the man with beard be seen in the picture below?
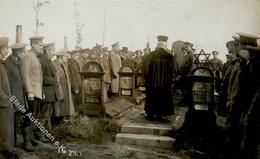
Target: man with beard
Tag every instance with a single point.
(158, 80)
(183, 67)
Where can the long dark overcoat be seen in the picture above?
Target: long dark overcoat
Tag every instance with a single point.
(6, 111)
(64, 107)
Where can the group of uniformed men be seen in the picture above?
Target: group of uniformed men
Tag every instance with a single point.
(49, 84)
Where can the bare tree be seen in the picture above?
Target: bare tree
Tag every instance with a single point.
(78, 28)
(37, 6)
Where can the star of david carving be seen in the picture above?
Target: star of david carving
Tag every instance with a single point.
(199, 56)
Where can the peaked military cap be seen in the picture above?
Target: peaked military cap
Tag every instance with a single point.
(162, 38)
(61, 53)
(105, 49)
(254, 48)
(48, 45)
(4, 42)
(36, 38)
(125, 49)
(18, 46)
(230, 43)
(115, 44)
(247, 39)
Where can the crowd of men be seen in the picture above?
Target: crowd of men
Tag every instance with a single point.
(49, 84)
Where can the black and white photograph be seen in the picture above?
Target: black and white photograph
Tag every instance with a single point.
(129, 79)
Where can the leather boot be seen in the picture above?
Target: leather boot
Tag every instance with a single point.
(42, 138)
(27, 140)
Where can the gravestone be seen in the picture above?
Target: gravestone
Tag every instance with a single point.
(202, 89)
(93, 89)
(126, 81)
(139, 80)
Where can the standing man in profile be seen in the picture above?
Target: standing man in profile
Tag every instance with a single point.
(33, 78)
(158, 75)
(16, 80)
(75, 78)
(50, 85)
(6, 107)
(116, 64)
(215, 65)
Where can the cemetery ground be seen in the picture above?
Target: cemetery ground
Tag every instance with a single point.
(94, 138)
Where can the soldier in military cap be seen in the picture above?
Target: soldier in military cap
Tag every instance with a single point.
(50, 86)
(16, 79)
(33, 78)
(116, 64)
(105, 62)
(4, 46)
(252, 117)
(125, 58)
(240, 94)
(215, 65)
(74, 69)
(64, 109)
(6, 107)
(138, 60)
(185, 60)
(158, 75)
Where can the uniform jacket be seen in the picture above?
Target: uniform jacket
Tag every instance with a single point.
(127, 61)
(116, 64)
(107, 68)
(75, 78)
(50, 81)
(32, 72)
(215, 64)
(241, 93)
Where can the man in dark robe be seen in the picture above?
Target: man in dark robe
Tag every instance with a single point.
(158, 75)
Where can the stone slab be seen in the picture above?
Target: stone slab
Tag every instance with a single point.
(146, 128)
(163, 142)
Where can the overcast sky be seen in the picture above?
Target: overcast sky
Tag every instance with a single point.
(206, 23)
